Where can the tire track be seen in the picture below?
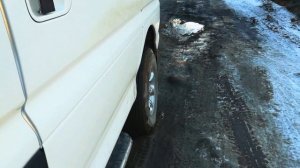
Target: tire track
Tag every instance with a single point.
(237, 114)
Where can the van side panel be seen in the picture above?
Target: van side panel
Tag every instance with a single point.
(150, 16)
(17, 141)
(48, 49)
(80, 73)
(81, 130)
(51, 53)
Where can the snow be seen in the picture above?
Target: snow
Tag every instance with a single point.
(186, 28)
(182, 30)
(281, 57)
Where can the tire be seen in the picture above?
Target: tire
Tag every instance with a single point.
(142, 118)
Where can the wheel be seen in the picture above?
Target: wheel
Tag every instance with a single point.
(142, 117)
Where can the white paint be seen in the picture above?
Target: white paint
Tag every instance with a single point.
(79, 71)
(103, 149)
(17, 141)
(89, 118)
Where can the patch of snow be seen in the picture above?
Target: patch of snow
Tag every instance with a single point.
(186, 28)
(181, 30)
(281, 57)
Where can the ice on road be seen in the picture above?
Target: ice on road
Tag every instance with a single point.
(281, 58)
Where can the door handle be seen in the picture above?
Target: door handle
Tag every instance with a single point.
(43, 10)
(47, 6)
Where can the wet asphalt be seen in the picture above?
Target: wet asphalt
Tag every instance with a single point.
(206, 119)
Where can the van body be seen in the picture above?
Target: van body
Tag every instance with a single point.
(68, 76)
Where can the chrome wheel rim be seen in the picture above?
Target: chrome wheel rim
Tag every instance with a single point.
(152, 93)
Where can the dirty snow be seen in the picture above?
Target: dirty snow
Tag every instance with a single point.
(186, 28)
(182, 30)
(281, 58)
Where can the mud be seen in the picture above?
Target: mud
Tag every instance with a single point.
(212, 95)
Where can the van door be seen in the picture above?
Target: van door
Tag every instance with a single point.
(18, 142)
(76, 68)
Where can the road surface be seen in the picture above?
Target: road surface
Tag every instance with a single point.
(229, 95)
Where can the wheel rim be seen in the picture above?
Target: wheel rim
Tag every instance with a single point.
(152, 93)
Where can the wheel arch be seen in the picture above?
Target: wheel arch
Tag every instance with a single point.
(150, 41)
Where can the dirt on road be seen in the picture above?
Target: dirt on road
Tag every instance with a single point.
(291, 5)
(215, 96)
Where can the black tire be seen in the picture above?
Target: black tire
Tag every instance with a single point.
(142, 118)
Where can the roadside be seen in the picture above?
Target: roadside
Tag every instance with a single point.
(291, 5)
(225, 92)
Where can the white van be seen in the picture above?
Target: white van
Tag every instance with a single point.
(71, 72)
